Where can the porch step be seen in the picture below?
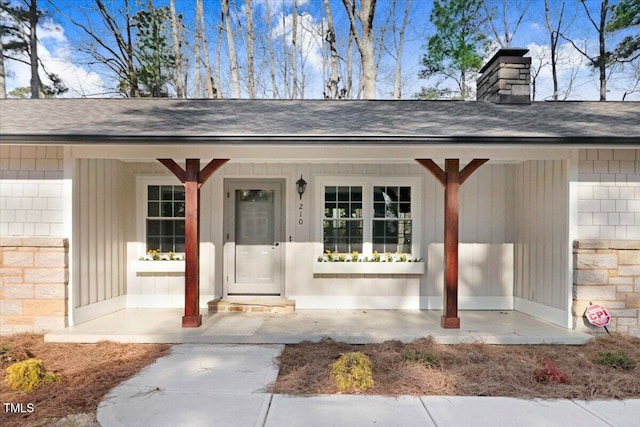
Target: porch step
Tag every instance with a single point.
(251, 305)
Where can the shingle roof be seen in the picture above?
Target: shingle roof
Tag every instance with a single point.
(213, 121)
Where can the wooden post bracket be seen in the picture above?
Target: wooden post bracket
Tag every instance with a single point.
(451, 178)
(193, 178)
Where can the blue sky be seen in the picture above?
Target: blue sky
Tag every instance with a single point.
(60, 40)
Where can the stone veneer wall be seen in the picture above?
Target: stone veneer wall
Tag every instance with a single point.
(607, 272)
(506, 79)
(34, 274)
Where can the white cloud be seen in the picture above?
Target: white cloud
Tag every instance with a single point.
(309, 38)
(55, 53)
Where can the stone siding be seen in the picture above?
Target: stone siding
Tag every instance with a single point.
(34, 274)
(607, 272)
(506, 79)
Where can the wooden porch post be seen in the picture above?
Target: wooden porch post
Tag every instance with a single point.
(192, 178)
(451, 178)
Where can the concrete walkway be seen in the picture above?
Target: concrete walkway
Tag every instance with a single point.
(223, 385)
(352, 326)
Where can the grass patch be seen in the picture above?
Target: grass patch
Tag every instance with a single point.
(428, 360)
(616, 360)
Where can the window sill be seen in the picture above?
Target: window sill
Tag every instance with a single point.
(158, 266)
(368, 267)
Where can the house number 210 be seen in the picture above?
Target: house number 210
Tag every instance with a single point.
(300, 220)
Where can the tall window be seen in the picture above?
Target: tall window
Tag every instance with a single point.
(165, 218)
(392, 219)
(343, 224)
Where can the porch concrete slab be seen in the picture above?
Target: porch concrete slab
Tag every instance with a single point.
(507, 412)
(347, 411)
(615, 412)
(196, 385)
(352, 326)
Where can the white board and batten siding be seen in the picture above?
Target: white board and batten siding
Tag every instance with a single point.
(487, 208)
(103, 215)
(152, 286)
(486, 230)
(542, 246)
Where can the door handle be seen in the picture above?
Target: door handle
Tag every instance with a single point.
(276, 243)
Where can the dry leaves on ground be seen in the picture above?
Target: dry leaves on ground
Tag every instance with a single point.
(424, 367)
(88, 372)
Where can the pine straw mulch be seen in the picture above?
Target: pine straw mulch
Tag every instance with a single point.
(467, 369)
(88, 372)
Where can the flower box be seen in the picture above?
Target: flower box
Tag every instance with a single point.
(158, 266)
(368, 267)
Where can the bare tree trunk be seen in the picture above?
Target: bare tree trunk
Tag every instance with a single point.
(553, 44)
(349, 88)
(364, 42)
(251, 36)
(600, 61)
(463, 85)
(218, 71)
(285, 50)
(294, 50)
(233, 60)
(177, 51)
(208, 83)
(134, 91)
(332, 84)
(397, 81)
(602, 58)
(197, 76)
(33, 49)
(3, 84)
(272, 53)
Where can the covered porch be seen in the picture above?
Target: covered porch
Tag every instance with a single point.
(352, 326)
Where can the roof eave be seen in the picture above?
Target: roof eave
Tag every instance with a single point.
(93, 139)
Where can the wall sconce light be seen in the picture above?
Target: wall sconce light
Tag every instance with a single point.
(301, 186)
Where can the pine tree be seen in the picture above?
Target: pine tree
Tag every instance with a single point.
(452, 51)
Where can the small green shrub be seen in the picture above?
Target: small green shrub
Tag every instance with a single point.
(28, 375)
(352, 372)
(7, 355)
(616, 360)
(428, 360)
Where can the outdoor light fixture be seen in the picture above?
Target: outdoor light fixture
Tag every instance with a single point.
(301, 186)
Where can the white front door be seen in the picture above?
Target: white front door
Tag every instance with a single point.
(254, 230)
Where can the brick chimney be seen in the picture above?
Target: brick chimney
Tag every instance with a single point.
(506, 78)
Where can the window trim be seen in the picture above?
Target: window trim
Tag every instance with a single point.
(368, 183)
(142, 183)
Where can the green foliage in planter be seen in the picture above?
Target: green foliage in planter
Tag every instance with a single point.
(428, 360)
(352, 372)
(28, 375)
(616, 360)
